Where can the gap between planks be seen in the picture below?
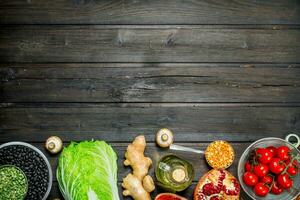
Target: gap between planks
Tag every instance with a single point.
(142, 105)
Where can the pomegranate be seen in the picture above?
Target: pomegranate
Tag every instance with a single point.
(217, 185)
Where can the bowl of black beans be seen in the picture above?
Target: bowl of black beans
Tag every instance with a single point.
(33, 163)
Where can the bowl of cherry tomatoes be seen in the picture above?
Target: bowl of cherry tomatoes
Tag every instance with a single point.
(269, 169)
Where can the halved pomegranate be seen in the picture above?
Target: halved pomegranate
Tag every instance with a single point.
(217, 185)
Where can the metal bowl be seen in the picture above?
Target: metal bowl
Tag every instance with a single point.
(265, 142)
(42, 156)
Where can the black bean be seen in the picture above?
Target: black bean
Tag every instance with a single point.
(32, 164)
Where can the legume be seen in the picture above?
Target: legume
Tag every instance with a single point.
(13, 183)
(32, 164)
(219, 154)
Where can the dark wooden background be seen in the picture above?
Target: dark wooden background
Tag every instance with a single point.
(112, 69)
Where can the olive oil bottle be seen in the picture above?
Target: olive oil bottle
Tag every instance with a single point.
(173, 173)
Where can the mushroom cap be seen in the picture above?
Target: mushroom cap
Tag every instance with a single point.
(164, 137)
(54, 144)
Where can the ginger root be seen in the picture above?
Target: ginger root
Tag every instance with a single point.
(138, 184)
(133, 187)
(136, 159)
(148, 184)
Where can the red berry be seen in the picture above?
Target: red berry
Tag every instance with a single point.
(250, 178)
(291, 170)
(260, 189)
(283, 152)
(264, 156)
(284, 181)
(273, 150)
(266, 179)
(276, 165)
(276, 189)
(248, 166)
(295, 163)
(261, 169)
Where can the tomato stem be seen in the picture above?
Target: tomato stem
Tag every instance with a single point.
(287, 166)
(273, 181)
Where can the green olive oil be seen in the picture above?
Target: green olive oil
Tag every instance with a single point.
(174, 173)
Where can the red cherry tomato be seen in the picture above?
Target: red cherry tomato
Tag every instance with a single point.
(260, 189)
(273, 150)
(276, 165)
(295, 163)
(276, 189)
(266, 179)
(284, 181)
(261, 169)
(283, 152)
(292, 170)
(264, 156)
(250, 178)
(248, 166)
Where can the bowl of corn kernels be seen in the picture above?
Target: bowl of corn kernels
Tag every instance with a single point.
(219, 154)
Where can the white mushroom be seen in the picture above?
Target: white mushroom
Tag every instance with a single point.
(164, 137)
(54, 144)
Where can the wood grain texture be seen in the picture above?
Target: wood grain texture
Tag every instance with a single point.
(112, 69)
(149, 12)
(149, 83)
(121, 122)
(148, 44)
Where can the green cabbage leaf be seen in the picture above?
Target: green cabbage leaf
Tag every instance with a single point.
(88, 171)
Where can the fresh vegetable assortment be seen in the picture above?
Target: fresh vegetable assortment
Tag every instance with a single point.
(271, 170)
(88, 171)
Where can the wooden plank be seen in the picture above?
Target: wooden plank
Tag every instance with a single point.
(149, 12)
(121, 122)
(149, 83)
(148, 44)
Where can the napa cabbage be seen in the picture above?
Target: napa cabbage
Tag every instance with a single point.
(88, 171)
